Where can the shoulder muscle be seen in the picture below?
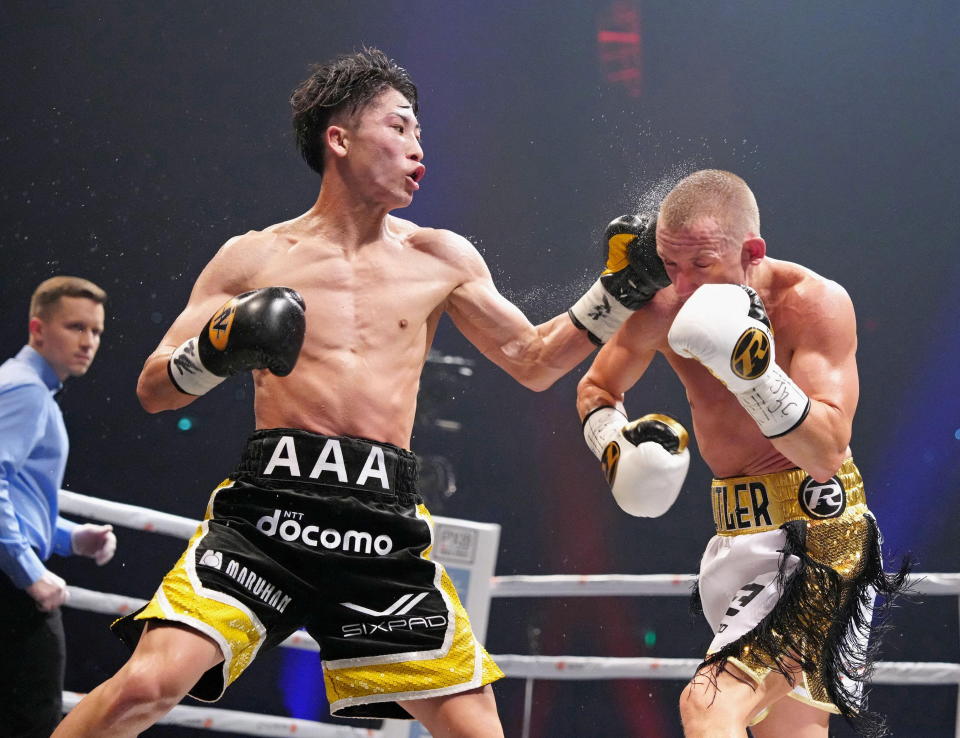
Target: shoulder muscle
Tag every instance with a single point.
(452, 249)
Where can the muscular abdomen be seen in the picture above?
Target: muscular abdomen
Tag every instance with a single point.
(347, 394)
(370, 318)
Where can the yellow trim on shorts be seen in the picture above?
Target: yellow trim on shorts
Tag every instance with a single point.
(759, 717)
(825, 706)
(235, 629)
(758, 680)
(782, 489)
(463, 665)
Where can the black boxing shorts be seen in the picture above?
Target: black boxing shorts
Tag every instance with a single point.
(328, 534)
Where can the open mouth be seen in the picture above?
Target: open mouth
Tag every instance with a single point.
(416, 175)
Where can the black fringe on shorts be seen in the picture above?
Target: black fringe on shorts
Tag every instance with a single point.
(814, 595)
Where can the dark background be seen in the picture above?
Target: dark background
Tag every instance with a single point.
(137, 137)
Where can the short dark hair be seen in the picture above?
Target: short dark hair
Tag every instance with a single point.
(49, 292)
(349, 82)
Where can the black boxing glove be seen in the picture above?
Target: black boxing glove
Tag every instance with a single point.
(261, 329)
(633, 275)
(634, 272)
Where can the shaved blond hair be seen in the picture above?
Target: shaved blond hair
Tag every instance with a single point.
(712, 193)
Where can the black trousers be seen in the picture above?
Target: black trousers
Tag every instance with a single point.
(32, 661)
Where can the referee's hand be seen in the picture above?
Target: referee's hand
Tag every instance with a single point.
(49, 591)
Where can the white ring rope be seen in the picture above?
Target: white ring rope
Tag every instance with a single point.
(248, 723)
(599, 667)
(564, 667)
(592, 585)
(129, 516)
(516, 666)
(604, 585)
(554, 585)
(114, 604)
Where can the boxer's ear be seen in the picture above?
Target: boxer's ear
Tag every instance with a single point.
(752, 251)
(337, 138)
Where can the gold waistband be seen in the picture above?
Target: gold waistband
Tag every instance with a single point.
(765, 502)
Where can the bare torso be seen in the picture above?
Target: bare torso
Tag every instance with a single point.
(728, 439)
(371, 316)
(373, 300)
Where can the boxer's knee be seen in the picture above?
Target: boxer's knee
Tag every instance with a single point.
(144, 688)
(710, 706)
(167, 663)
(148, 686)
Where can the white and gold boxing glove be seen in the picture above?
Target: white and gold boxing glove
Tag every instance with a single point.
(725, 327)
(644, 461)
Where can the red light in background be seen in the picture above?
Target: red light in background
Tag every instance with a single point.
(619, 46)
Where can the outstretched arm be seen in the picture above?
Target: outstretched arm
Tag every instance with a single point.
(534, 355)
(538, 355)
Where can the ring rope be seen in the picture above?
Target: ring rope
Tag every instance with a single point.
(114, 604)
(129, 516)
(604, 585)
(565, 667)
(598, 667)
(557, 585)
(551, 585)
(248, 723)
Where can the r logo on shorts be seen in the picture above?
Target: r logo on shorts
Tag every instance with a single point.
(822, 500)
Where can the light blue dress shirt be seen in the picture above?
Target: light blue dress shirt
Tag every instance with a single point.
(33, 456)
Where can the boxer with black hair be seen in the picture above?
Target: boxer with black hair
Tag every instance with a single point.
(321, 524)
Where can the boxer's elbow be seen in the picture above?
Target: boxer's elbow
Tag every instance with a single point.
(827, 464)
(828, 443)
(529, 364)
(540, 372)
(536, 379)
(148, 400)
(154, 391)
(822, 473)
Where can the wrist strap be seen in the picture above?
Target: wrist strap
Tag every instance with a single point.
(775, 403)
(601, 426)
(599, 313)
(188, 373)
